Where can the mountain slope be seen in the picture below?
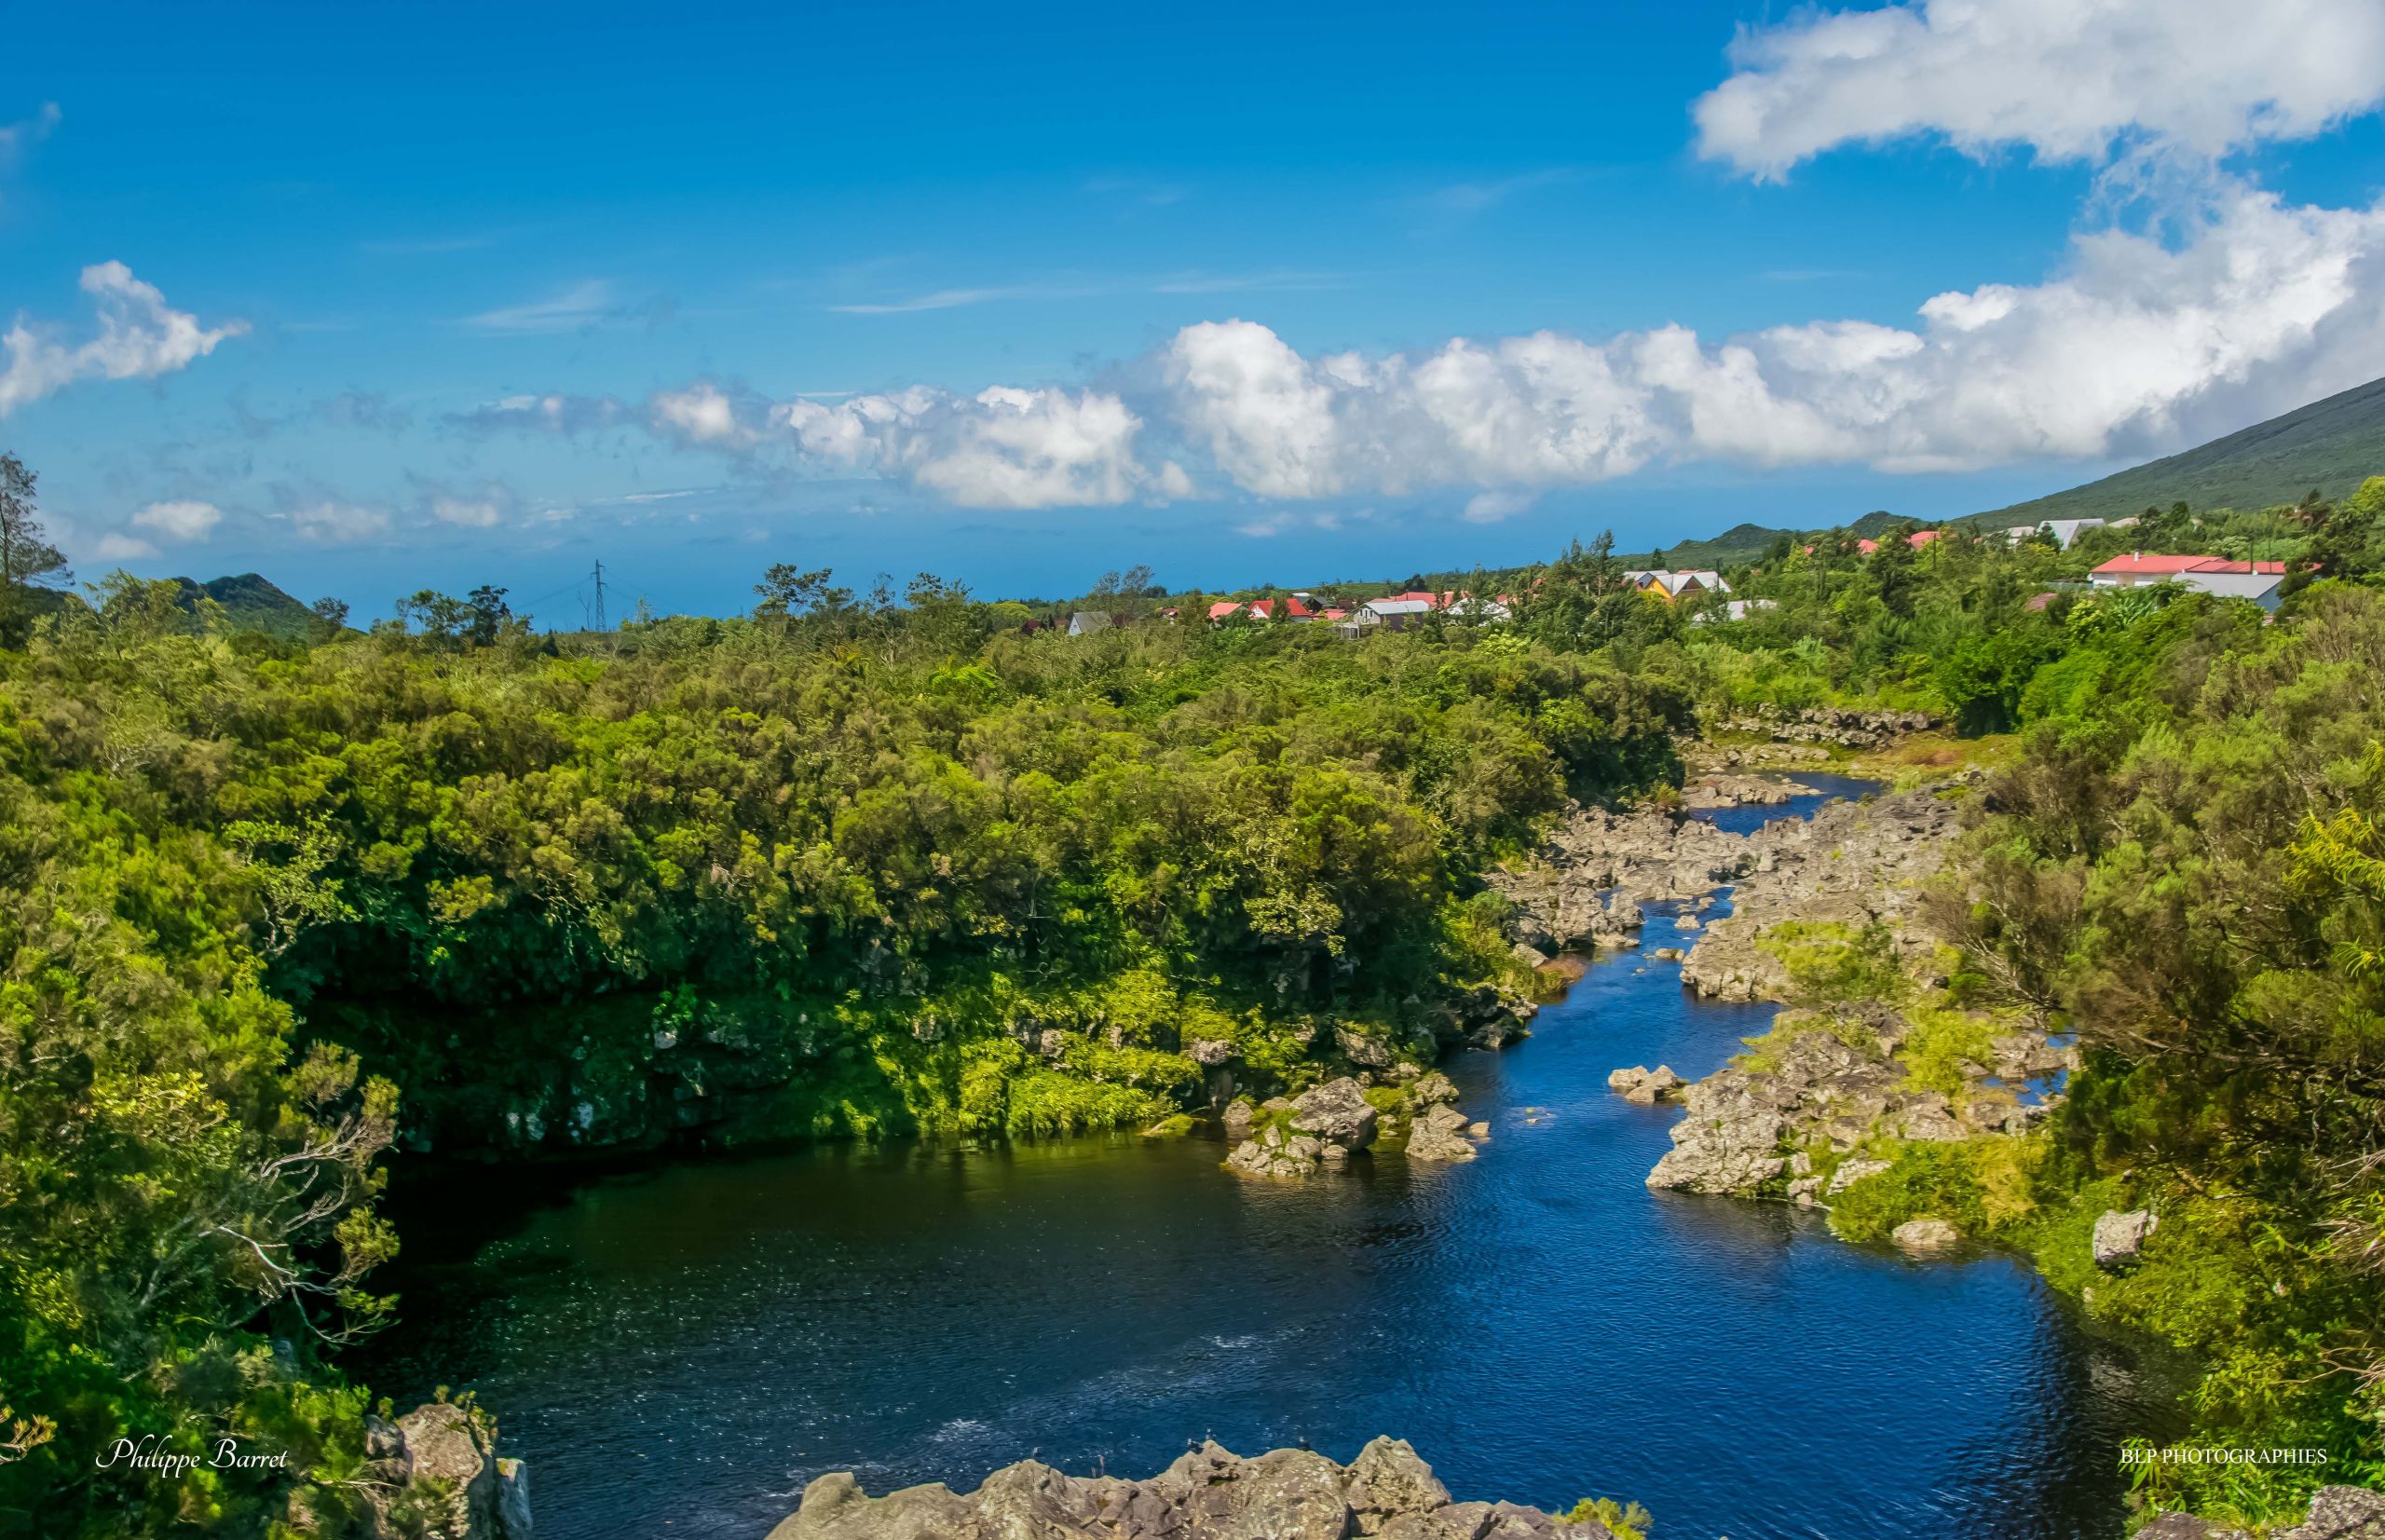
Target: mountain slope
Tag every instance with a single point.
(2331, 444)
(251, 603)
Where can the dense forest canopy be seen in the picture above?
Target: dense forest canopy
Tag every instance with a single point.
(281, 908)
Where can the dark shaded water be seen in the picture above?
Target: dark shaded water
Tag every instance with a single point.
(680, 1352)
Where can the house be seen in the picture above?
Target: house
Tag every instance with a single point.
(2258, 581)
(1395, 613)
(2138, 568)
(1672, 587)
(2262, 588)
(1084, 622)
(1919, 539)
(1224, 608)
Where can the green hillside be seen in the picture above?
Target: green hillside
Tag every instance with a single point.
(251, 603)
(2331, 445)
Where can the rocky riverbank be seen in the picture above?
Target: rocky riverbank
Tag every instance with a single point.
(1852, 862)
(1209, 1493)
(1822, 915)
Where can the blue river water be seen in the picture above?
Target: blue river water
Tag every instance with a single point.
(679, 1352)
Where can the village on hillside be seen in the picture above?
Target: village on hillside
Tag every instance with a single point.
(1706, 589)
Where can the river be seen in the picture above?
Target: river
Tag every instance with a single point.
(679, 1352)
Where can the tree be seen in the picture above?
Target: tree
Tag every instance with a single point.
(487, 614)
(27, 559)
(788, 591)
(332, 613)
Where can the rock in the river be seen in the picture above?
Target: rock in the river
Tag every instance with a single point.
(1438, 1135)
(1336, 1113)
(1925, 1235)
(1728, 1142)
(1274, 1155)
(1208, 1494)
(1237, 1118)
(2119, 1236)
(1644, 1085)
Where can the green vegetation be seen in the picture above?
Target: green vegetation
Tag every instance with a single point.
(281, 902)
(1624, 1520)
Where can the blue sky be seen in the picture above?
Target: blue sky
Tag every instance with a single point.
(441, 295)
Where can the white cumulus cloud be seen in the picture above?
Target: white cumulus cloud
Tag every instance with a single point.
(1004, 448)
(115, 547)
(333, 522)
(705, 415)
(139, 336)
(467, 512)
(181, 519)
(2072, 79)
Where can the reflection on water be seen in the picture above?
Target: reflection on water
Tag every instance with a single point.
(678, 1352)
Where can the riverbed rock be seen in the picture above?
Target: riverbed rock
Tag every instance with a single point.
(1841, 727)
(1439, 1133)
(1274, 1153)
(1739, 791)
(1925, 1235)
(1728, 1141)
(1238, 1119)
(1336, 1113)
(1433, 1087)
(2119, 1237)
(1208, 1494)
(1208, 1051)
(1644, 1085)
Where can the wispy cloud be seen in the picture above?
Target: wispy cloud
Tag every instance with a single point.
(15, 137)
(1172, 283)
(590, 303)
(1460, 201)
(953, 299)
(554, 411)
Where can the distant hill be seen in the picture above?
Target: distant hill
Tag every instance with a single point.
(251, 603)
(1744, 544)
(2331, 445)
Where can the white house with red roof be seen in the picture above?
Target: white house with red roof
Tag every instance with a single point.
(2256, 580)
